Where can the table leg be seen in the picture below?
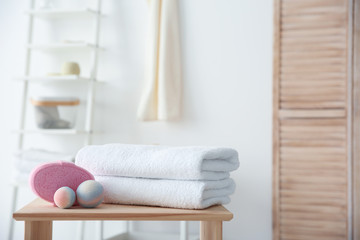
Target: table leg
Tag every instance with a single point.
(184, 232)
(15, 190)
(211, 230)
(38, 230)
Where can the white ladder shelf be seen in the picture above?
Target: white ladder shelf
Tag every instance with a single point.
(27, 79)
(91, 81)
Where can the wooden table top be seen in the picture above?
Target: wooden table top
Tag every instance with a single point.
(40, 210)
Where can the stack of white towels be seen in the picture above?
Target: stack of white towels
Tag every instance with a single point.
(179, 177)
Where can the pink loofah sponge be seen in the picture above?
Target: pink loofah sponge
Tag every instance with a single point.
(49, 177)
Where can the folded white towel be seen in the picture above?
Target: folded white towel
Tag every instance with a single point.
(20, 177)
(166, 193)
(27, 160)
(188, 163)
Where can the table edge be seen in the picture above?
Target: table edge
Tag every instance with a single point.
(23, 215)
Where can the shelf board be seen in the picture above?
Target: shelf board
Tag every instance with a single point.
(52, 131)
(64, 78)
(62, 46)
(52, 79)
(61, 13)
(135, 235)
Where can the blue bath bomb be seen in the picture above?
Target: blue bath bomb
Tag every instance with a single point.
(90, 194)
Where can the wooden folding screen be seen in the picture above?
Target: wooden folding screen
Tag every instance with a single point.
(310, 138)
(356, 121)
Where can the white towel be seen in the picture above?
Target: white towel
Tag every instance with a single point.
(161, 98)
(188, 163)
(166, 193)
(20, 177)
(27, 160)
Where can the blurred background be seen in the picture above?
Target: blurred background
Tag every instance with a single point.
(226, 49)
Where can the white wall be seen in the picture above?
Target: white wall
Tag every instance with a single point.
(226, 48)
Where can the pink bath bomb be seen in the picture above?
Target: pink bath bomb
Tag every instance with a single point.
(64, 197)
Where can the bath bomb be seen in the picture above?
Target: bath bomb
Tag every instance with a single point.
(90, 194)
(64, 197)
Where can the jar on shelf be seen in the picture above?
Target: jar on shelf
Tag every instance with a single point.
(55, 112)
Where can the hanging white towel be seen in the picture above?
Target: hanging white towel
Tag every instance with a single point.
(166, 193)
(161, 99)
(149, 161)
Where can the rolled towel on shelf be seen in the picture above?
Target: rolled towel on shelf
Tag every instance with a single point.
(20, 177)
(183, 163)
(27, 160)
(166, 193)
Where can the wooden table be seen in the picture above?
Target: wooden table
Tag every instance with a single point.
(39, 214)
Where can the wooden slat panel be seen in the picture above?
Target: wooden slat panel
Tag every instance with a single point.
(323, 227)
(311, 3)
(312, 209)
(323, 113)
(312, 128)
(311, 84)
(299, 164)
(328, 233)
(305, 39)
(306, 97)
(302, 236)
(315, 135)
(325, 91)
(312, 179)
(313, 25)
(313, 47)
(314, 143)
(332, 232)
(333, 54)
(318, 187)
(314, 32)
(312, 194)
(316, 159)
(311, 11)
(312, 216)
(315, 63)
(316, 224)
(310, 46)
(275, 123)
(316, 104)
(310, 18)
(312, 76)
(310, 120)
(305, 172)
(315, 123)
(313, 176)
(355, 120)
(314, 150)
(313, 201)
